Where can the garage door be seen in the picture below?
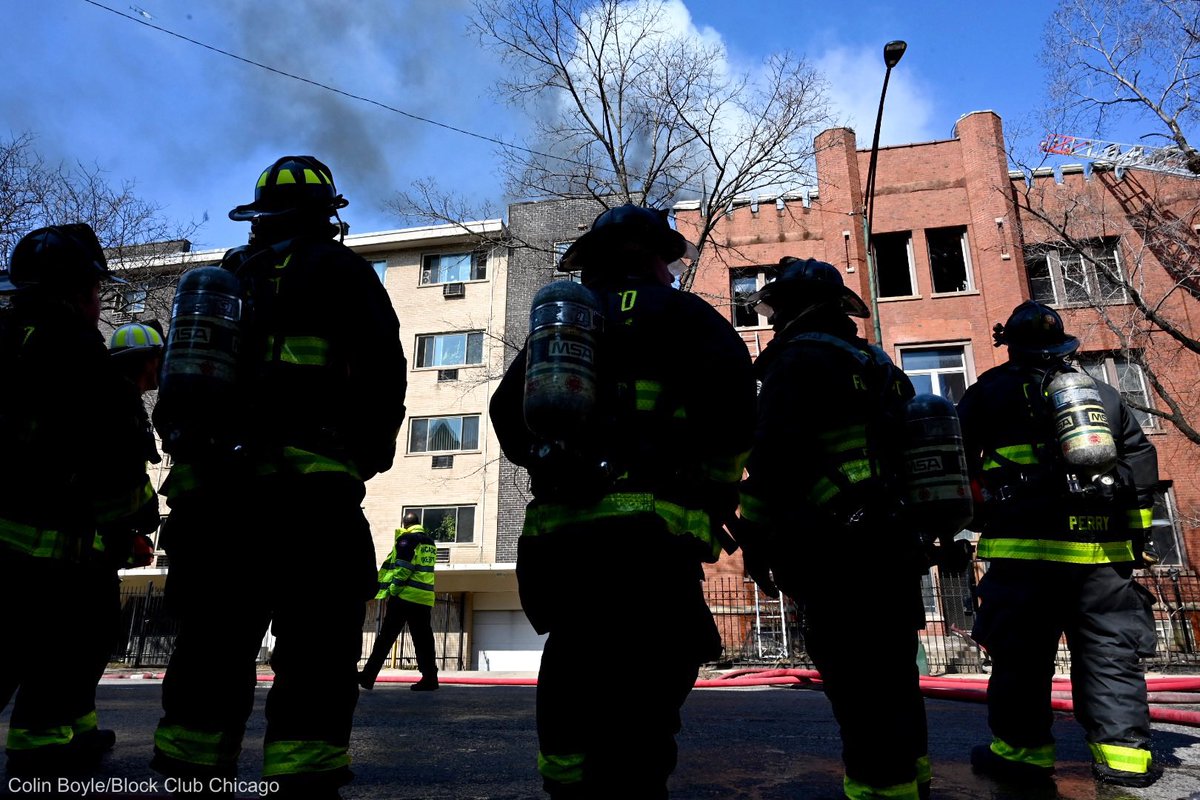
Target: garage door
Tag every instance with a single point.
(504, 641)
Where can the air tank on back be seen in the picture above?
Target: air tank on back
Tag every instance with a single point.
(560, 372)
(935, 483)
(1085, 437)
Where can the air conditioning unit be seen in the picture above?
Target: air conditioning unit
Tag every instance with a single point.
(447, 375)
(443, 555)
(454, 290)
(443, 462)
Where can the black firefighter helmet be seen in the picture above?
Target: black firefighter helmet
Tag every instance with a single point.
(1035, 330)
(617, 227)
(59, 257)
(801, 285)
(292, 184)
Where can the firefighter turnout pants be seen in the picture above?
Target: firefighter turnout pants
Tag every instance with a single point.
(864, 634)
(292, 552)
(599, 737)
(1025, 607)
(418, 618)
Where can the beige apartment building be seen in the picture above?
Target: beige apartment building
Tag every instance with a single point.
(448, 284)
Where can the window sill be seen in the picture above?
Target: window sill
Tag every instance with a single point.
(429, 453)
(751, 328)
(443, 283)
(967, 293)
(901, 298)
(447, 366)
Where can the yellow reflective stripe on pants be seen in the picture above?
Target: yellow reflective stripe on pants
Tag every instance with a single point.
(25, 739)
(205, 748)
(297, 757)
(566, 768)
(857, 790)
(1119, 757)
(1042, 756)
(924, 770)
(88, 722)
(1054, 550)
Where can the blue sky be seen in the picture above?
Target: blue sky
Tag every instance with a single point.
(194, 128)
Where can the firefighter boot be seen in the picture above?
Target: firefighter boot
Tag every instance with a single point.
(986, 761)
(428, 683)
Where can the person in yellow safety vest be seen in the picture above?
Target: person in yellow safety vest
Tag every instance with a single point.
(673, 436)
(1061, 554)
(822, 478)
(70, 470)
(406, 582)
(322, 377)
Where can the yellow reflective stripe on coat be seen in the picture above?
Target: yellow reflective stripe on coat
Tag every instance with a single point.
(24, 739)
(728, 469)
(752, 509)
(646, 394)
(1042, 756)
(124, 504)
(857, 790)
(41, 542)
(1053, 550)
(206, 748)
(299, 757)
(924, 770)
(1140, 518)
(1125, 759)
(1016, 453)
(843, 439)
(567, 768)
(309, 351)
(544, 519)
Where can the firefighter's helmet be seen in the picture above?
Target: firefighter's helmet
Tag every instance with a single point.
(59, 257)
(292, 184)
(135, 337)
(803, 284)
(1035, 330)
(615, 227)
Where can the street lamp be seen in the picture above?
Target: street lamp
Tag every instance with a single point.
(892, 52)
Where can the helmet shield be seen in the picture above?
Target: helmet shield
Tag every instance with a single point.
(1034, 329)
(292, 184)
(628, 224)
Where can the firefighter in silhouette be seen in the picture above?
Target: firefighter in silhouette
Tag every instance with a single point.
(406, 582)
(1066, 481)
(315, 382)
(817, 489)
(70, 469)
(650, 472)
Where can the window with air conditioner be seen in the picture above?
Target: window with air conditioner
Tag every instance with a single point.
(443, 434)
(453, 524)
(450, 349)
(453, 267)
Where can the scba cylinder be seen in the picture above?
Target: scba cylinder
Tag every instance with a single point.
(200, 364)
(560, 371)
(936, 486)
(1085, 436)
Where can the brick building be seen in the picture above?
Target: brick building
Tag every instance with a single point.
(958, 244)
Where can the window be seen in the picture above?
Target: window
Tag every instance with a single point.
(131, 300)
(892, 253)
(380, 268)
(443, 434)
(742, 284)
(447, 523)
(560, 249)
(949, 259)
(1118, 370)
(1067, 277)
(936, 370)
(1164, 533)
(453, 267)
(450, 349)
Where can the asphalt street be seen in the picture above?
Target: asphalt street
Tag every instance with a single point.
(478, 743)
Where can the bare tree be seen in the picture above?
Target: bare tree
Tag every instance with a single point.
(135, 234)
(627, 107)
(1133, 60)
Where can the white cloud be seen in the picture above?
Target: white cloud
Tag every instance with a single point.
(855, 79)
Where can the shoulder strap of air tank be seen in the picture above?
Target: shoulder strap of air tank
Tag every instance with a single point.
(863, 357)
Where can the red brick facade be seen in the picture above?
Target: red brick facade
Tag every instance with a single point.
(935, 190)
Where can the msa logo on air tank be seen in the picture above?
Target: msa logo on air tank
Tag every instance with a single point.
(198, 335)
(560, 347)
(1093, 418)
(924, 464)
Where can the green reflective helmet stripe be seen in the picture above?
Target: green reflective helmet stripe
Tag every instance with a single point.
(134, 334)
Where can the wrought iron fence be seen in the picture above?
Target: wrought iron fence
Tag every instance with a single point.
(757, 630)
(449, 638)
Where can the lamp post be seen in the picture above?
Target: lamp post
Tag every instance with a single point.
(892, 52)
